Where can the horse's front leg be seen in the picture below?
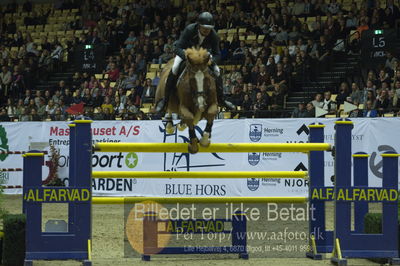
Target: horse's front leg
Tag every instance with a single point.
(170, 129)
(211, 113)
(193, 145)
(188, 119)
(205, 138)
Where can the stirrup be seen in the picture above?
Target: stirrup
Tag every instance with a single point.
(160, 106)
(228, 105)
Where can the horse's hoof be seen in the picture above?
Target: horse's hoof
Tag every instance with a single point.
(170, 129)
(182, 126)
(205, 140)
(193, 146)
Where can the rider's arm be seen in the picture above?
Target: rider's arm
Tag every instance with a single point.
(183, 43)
(216, 53)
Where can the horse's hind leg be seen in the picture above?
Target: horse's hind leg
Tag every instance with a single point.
(169, 128)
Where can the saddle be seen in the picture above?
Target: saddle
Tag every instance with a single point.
(181, 68)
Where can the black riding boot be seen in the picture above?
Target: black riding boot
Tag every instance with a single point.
(169, 87)
(220, 95)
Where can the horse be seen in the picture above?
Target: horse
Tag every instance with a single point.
(195, 97)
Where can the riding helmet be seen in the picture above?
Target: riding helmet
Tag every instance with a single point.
(206, 20)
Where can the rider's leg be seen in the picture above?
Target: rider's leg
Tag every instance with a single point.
(220, 90)
(169, 85)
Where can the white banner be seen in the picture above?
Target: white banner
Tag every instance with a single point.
(373, 136)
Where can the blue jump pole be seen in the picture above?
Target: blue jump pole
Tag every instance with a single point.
(343, 158)
(317, 217)
(72, 171)
(390, 208)
(32, 178)
(360, 174)
(356, 243)
(75, 242)
(239, 231)
(82, 177)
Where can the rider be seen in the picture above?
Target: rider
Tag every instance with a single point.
(200, 34)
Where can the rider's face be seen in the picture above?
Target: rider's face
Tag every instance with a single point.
(204, 31)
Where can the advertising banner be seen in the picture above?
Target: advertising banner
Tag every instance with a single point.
(373, 136)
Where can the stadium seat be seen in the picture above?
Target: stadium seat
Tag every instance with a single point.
(39, 28)
(154, 67)
(151, 75)
(251, 38)
(279, 49)
(147, 105)
(145, 110)
(232, 31)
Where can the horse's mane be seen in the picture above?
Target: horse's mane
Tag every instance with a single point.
(197, 56)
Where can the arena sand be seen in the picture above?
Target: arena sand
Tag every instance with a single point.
(109, 238)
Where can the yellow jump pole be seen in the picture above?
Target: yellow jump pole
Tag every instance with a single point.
(229, 174)
(122, 200)
(216, 147)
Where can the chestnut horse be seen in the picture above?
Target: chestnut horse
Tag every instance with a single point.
(195, 97)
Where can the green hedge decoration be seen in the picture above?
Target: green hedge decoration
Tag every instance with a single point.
(373, 225)
(14, 239)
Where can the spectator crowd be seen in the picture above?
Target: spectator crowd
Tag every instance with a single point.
(295, 41)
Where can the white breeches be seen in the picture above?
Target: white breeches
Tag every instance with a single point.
(216, 70)
(178, 60)
(175, 66)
